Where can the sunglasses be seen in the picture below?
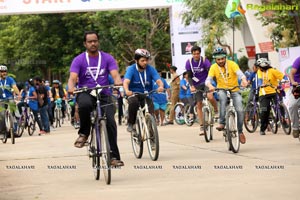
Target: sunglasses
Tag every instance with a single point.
(3, 71)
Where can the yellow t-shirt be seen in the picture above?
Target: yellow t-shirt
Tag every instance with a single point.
(226, 76)
(271, 76)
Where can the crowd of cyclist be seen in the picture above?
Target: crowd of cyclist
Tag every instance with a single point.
(199, 76)
(34, 94)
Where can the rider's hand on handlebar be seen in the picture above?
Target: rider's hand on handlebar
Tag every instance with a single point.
(160, 89)
(295, 83)
(129, 93)
(211, 88)
(193, 89)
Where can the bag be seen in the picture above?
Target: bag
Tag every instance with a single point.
(40, 98)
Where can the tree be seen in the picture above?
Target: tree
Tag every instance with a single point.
(134, 29)
(285, 31)
(215, 24)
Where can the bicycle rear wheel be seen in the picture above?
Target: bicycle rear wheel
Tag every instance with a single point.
(189, 121)
(232, 132)
(179, 113)
(93, 154)
(285, 120)
(251, 118)
(207, 128)
(152, 137)
(136, 140)
(105, 152)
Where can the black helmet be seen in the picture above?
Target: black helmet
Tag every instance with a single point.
(139, 53)
(263, 63)
(219, 53)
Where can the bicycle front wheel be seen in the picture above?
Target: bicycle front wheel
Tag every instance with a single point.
(12, 134)
(57, 118)
(31, 124)
(207, 127)
(232, 132)
(179, 113)
(273, 121)
(188, 119)
(21, 126)
(93, 153)
(136, 139)
(285, 120)
(105, 152)
(152, 137)
(251, 118)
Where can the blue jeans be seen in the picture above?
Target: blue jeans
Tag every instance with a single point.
(45, 118)
(237, 103)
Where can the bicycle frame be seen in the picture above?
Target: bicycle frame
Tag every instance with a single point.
(142, 120)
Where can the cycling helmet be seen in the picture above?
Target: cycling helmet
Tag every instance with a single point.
(263, 63)
(219, 53)
(55, 82)
(139, 53)
(3, 68)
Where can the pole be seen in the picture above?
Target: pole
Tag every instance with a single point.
(233, 39)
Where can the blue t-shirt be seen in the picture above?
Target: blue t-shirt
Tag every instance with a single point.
(33, 103)
(6, 87)
(48, 89)
(141, 81)
(160, 98)
(252, 79)
(182, 92)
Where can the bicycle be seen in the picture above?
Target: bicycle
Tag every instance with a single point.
(168, 112)
(98, 144)
(8, 119)
(189, 114)
(230, 132)
(279, 112)
(68, 109)
(58, 113)
(251, 117)
(26, 121)
(208, 117)
(145, 130)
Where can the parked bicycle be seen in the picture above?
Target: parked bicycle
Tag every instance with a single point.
(145, 130)
(26, 121)
(98, 144)
(8, 119)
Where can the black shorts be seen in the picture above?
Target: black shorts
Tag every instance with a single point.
(199, 94)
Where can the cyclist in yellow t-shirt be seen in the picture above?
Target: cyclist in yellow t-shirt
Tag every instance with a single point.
(266, 76)
(227, 73)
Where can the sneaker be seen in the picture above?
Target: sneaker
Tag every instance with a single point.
(242, 138)
(129, 127)
(220, 127)
(116, 163)
(42, 132)
(262, 133)
(296, 133)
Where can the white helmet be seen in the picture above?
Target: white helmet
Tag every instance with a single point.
(3, 68)
(263, 63)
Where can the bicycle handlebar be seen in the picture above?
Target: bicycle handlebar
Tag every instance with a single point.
(86, 89)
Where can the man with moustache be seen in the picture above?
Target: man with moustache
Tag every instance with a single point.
(227, 73)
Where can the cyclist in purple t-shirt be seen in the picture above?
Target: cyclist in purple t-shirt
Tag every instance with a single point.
(91, 69)
(294, 100)
(197, 68)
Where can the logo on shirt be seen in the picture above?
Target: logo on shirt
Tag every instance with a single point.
(93, 70)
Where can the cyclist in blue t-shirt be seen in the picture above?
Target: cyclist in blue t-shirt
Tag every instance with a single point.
(138, 78)
(185, 95)
(160, 101)
(252, 79)
(8, 88)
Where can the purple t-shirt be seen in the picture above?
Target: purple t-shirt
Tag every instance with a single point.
(199, 70)
(85, 79)
(296, 65)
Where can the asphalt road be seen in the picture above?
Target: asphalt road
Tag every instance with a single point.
(50, 167)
